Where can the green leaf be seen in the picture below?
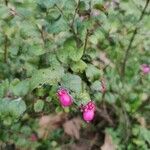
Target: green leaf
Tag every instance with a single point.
(110, 98)
(82, 98)
(3, 88)
(38, 106)
(82, 5)
(36, 50)
(53, 60)
(145, 134)
(69, 51)
(26, 130)
(72, 82)
(62, 55)
(98, 97)
(100, 7)
(96, 86)
(78, 67)
(46, 3)
(75, 53)
(92, 73)
(58, 26)
(7, 121)
(4, 11)
(21, 88)
(17, 107)
(50, 76)
(11, 109)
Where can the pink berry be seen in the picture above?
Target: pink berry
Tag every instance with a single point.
(33, 138)
(88, 111)
(88, 115)
(64, 97)
(145, 68)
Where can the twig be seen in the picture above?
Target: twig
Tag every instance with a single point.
(5, 48)
(62, 13)
(42, 34)
(6, 2)
(86, 40)
(104, 115)
(127, 123)
(70, 26)
(76, 10)
(131, 40)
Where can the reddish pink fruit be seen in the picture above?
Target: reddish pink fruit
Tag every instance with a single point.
(88, 115)
(88, 111)
(33, 138)
(145, 68)
(64, 97)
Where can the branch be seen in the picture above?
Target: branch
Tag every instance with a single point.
(60, 10)
(70, 26)
(104, 114)
(6, 2)
(42, 34)
(76, 10)
(131, 40)
(86, 40)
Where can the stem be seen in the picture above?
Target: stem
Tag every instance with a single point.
(6, 2)
(132, 39)
(76, 10)
(42, 34)
(5, 48)
(86, 40)
(70, 26)
(62, 14)
(104, 115)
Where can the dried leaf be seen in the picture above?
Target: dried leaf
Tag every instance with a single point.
(49, 123)
(72, 127)
(142, 121)
(108, 143)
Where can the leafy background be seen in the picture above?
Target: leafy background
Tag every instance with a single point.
(77, 44)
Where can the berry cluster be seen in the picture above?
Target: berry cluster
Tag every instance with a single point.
(66, 100)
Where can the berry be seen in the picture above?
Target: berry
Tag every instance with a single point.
(33, 138)
(145, 68)
(64, 97)
(88, 115)
(88, 111)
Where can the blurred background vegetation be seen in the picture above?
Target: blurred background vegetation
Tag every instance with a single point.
(82, 45)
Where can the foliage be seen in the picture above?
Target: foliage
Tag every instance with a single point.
(75, 44)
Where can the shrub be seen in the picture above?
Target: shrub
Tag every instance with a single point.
(92, 50)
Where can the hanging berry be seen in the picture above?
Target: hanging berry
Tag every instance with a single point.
(88, 111)
(64, 97)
